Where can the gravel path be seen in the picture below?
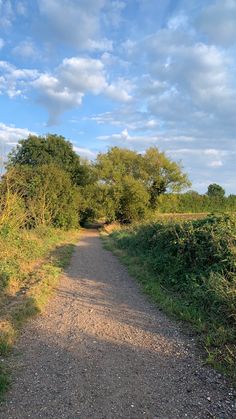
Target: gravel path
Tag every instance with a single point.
(102, 350)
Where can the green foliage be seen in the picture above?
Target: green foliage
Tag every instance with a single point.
(162, 175)
(48, 194)
(215, 191)
(130, 182)
(50, 149)
(26, 281)
(133, 201)
(195, 263)
(193, 202)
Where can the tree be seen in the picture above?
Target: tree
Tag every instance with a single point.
(49, 196)
(162, 175)
(153, 170)
(215, 191)
(134, 201)
(50, 149)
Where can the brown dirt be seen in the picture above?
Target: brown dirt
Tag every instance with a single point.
(102, 350)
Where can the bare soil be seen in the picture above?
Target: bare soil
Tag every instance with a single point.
(103, 350)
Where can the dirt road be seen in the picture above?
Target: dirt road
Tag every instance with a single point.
(102, 350)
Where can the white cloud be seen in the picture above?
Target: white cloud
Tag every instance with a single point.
(120, 90)
(215, 163)
(124, 139)
(178, 21)
(26, 49)
(55, 97)
(10, 135)
(100, 45)
(83, 74)
(14, 81)
(66, 87)
(126, 116)
(72, 80)
(85, 152)
(72, 22)
(6, 13)
(218, 22)
(113, 12)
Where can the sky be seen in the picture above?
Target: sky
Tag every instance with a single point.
(134, 73)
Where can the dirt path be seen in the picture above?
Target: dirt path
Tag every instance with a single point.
(101, 350)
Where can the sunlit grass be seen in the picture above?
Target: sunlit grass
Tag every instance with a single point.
(31, 264)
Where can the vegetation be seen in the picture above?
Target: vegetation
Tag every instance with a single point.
(46, 195)
(47, 190)
(39, 205)
(189, 268)
(30, 264)
(130, 183)
(50, 149)
(193, 202)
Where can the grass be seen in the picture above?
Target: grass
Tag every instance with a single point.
(189, 269)
(31, 263)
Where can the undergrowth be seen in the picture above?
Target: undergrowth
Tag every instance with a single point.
(30, 265)
(189, 268)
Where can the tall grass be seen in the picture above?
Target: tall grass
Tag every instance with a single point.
(30, 265)
(190, 269)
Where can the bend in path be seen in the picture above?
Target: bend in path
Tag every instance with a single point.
(102, 350)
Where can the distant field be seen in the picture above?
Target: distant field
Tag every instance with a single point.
(181, 216)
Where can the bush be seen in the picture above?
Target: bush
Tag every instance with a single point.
(48, 195)
(195, 263)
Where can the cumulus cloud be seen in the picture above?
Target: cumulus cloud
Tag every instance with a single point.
(218, 22)
(188, 85)
(14, 81)
(65, 88)
(10, 135)
(78, 27)
(74, 78)
(26, 49)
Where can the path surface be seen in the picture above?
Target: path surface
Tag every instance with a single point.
(101, 350)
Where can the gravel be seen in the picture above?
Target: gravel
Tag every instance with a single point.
(103, 350)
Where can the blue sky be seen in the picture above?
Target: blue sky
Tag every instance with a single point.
(133, 73)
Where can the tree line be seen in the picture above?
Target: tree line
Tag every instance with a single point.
(47, 183)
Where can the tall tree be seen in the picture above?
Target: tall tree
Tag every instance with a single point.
(50, 149)
(215, 191)
(153, 169)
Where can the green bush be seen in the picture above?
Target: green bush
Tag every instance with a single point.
(48, 195)
(195, 263)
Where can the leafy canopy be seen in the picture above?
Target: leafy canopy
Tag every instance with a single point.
(48, 194)
(50, 149)
(215, 191)
(153, 169)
